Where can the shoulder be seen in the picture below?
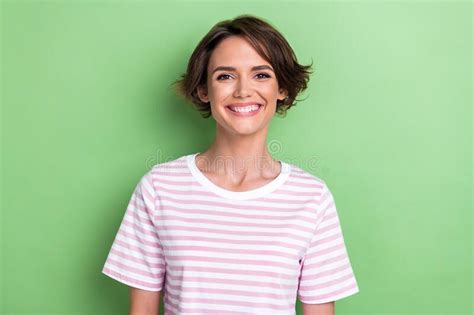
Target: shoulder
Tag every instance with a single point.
(171, 165)
(306, 179)
(164, 172)
(151, 181)
(298, 173)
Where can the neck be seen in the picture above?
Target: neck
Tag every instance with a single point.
(239, 154)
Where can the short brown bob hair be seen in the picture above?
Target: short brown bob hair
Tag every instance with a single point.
(267, 41)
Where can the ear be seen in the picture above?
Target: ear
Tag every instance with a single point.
(202, 93)
(282, 94)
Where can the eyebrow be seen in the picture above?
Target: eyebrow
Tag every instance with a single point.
(228, 68)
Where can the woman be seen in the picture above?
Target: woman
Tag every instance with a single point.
(231, 230)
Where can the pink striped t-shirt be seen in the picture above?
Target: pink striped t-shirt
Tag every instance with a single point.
(215, 251)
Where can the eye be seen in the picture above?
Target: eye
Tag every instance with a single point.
(222, 75)
(261, 75)
(265, 75)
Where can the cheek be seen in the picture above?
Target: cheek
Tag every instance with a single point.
(218, 90)
(270, 90)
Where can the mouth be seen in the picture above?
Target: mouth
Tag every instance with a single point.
(246, 110)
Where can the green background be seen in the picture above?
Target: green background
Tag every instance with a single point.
(87, 109)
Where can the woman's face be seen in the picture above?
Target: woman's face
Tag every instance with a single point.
(239, 79)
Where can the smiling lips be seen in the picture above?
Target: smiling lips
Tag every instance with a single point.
(244, 109)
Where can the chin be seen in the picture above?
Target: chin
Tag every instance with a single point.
(246, 131)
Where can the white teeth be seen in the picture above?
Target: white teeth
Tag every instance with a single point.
(246, 109)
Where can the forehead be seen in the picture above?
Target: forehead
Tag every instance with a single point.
(235, 51)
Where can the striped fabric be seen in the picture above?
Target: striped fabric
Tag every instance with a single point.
(215, 251)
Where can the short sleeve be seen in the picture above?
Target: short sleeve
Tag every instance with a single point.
(136, 256)
(326, 272)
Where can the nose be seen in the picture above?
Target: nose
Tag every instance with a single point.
(243, 88)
